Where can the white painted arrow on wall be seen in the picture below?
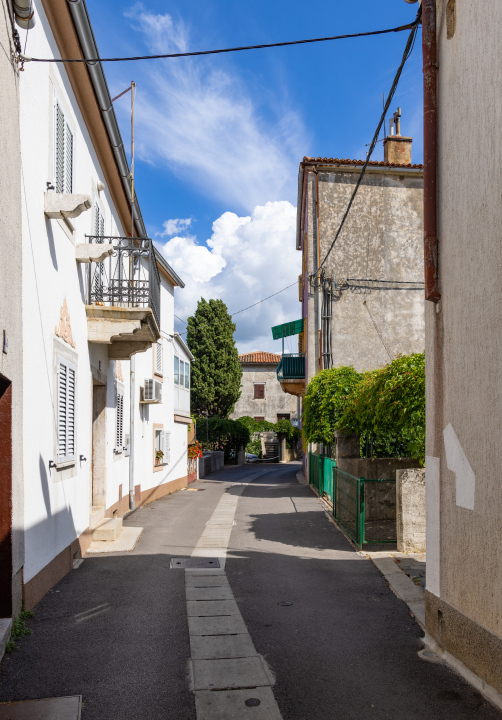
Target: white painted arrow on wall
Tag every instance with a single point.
(459, 464)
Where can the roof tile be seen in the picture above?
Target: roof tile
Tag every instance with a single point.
(343, 161)
(259, 357)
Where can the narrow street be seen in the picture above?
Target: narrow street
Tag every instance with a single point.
(116, 629)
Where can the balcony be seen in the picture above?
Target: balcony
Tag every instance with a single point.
(291, 373)
(123, 296)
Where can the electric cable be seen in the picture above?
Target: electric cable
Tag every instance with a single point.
(223, 50)
(407, 52)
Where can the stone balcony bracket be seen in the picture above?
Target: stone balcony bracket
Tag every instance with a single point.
(126, 330)
(90, 252)
(62, 206)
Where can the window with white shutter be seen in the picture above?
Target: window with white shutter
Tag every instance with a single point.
(63, 152)
(158, 357)
(167, 447)
(119, 420)
(66, 418)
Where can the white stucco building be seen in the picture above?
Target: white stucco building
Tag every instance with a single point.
(97, 318)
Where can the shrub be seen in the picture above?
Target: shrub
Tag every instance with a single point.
(221, 434)
(324, 402)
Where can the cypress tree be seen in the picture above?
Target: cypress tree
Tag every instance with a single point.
(216, 372)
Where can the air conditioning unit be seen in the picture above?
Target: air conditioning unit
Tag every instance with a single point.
(152, 391)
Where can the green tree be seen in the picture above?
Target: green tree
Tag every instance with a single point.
(325, 400)
(216, 372)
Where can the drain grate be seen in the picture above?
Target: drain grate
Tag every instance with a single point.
(181, 563)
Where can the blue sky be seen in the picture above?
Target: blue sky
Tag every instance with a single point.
(219, 139)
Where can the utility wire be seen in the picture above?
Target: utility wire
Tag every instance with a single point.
(407, 52)
(217, 52)
(267, 298)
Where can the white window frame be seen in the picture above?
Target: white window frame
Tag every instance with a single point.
(64, 149)
(187, 376)
(176, 370)
(66, 410)
(119, 418)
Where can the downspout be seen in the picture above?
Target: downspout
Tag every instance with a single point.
(24, 14)
(89, 47)
(132, 399)
(317, 286)
(430, 68)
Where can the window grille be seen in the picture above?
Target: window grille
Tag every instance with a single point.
(158, 357)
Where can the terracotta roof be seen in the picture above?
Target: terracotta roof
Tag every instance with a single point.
(342, 161)
(260, 357)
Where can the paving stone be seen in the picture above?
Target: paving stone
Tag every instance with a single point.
(205, 581)
(230, 704)
(207, 647)
(203, 608)
(209, 593)
(62, 708)
(229, 673)
(227, 625)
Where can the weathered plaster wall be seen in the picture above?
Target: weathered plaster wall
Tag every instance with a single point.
(382, 240)
(275, 401)
(464, 372)
(11, 364)
(410, 501)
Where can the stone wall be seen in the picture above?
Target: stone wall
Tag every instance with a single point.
(211, 462)
(410, 498)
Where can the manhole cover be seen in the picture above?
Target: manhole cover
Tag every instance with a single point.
(181, 563)
(252, 702)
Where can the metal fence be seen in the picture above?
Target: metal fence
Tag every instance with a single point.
(364, 509)
(127, 278)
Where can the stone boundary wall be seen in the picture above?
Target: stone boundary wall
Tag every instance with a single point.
(211, 462)
(410, 501)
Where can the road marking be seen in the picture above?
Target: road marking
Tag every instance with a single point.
(226, 670)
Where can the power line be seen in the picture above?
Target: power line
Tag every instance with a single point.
(217, 52)
(267, 298)
(407, 52)
(180, 319)
(391, 282)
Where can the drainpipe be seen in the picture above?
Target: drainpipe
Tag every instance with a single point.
(317, 286)
(430, 67)
(132, 400)
(24, 14)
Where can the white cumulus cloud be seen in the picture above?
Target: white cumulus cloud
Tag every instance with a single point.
(246, 259)
(173, 226)
(202, 122)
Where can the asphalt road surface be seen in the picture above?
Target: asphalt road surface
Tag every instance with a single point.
(116, 630)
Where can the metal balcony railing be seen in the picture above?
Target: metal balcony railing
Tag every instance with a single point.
(291, 367)
(127, 278)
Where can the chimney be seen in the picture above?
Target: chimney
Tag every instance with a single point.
(396, 147)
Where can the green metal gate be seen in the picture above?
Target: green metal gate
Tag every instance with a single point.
(354, 501)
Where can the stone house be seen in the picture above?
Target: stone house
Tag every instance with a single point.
(261, 395)
(94, 383)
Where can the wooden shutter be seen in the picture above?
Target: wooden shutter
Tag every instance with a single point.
(158, 357)
(59, 159)
(68, 160)
(119, 430)
(166, 447)
(66, 417)
(259, 392)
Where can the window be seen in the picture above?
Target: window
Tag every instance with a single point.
(158, 357)
(283, 416)
(176, 370)
(259, 391)
(259, 417)
(119, 420)
(66, 395)
(161, 446)
(187, 376)
(182, 373)
(63, 152)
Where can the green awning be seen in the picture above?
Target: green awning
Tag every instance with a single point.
(290, 328)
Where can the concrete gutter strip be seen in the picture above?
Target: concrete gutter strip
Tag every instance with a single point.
(5, 631)
(403, 587)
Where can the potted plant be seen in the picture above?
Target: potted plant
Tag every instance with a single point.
(158, 457)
